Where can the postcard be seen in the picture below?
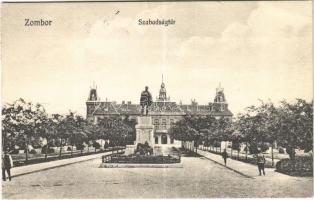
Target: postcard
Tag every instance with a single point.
(183, 99)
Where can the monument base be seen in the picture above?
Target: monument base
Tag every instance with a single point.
(130, 149)
(144, 131)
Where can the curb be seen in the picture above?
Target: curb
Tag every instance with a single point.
(236, 171)
(39, 170)
(53, 167)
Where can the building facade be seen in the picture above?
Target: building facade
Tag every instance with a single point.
(163, 111)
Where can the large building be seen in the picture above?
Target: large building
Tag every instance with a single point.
(163, 111)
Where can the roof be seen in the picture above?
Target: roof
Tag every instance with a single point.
(157, 108)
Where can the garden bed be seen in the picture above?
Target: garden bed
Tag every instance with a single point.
(301, 166)
(141, 159)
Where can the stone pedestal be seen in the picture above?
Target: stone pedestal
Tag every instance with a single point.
(130, 149)
(144, 131)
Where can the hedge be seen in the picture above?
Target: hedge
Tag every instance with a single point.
(300, 166)
(142, 159)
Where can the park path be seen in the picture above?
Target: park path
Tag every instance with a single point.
(199, 178)
(246, 169)
(23, 170)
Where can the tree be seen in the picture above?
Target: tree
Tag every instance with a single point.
(290, 125)
(236, 138)
(115, 129)
(50, 132)
(189, 129)
(131, 122)
(23, 122)
(295, 126)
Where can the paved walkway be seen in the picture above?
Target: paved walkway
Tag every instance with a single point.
(241, 154)
(199, 178)
(22, 170)
(246, 169)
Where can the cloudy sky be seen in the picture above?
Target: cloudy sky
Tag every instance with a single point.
(257, 50)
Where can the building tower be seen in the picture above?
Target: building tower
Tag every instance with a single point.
(162, 92)
(220, 102)
(92, 103)
(93, 94)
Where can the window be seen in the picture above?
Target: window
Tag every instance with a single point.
(171, 140)
(164, 121)
(171, 121)
(164, 139)
(156, 121)
(156, 140)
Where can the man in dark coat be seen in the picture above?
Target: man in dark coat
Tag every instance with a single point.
(7, 164)
(261, 163)
(145, 101)
(225, 156)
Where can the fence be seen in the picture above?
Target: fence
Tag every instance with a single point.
(20, 159)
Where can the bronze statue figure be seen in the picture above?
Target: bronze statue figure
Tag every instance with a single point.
(145, 101)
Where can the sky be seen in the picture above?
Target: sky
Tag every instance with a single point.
(256, 50)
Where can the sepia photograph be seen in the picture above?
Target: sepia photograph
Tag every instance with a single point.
(156, 100)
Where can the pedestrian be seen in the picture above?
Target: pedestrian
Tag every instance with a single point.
(225, 156)
(7, 164)
(261, 163)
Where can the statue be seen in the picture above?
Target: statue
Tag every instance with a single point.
(145, 101)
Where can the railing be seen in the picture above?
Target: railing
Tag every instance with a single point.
(108, 158)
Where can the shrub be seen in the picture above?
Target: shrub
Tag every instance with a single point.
(106, 145)
(300, 166)
(264, 147)
(33, 151)
(253, 149)
(69, 148)
(79, 146)
(51, 151)
(52, 144)
(43, 150)
(112, 144)
(143, 149)
(217, 144)
(96, 145)
(236, 146)
(143, 159)
(281, 150)
(15, 151)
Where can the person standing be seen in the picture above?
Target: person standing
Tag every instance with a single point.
(261, 164)
(225, 156)
(7, 164)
